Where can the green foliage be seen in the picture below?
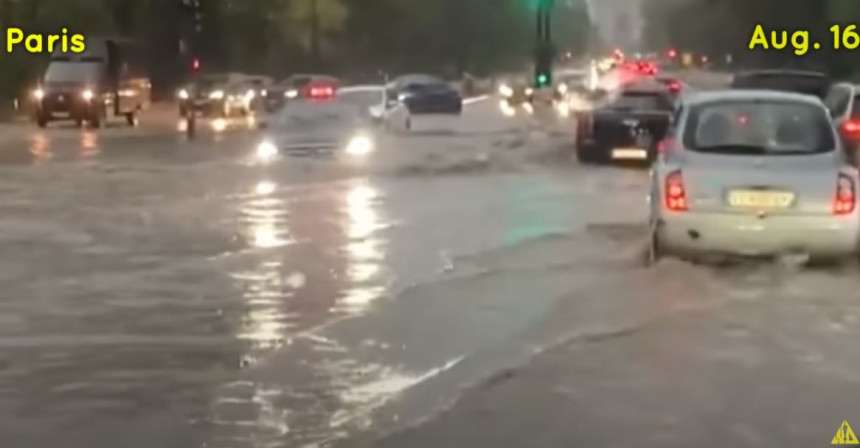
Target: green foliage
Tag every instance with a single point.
(276, 36)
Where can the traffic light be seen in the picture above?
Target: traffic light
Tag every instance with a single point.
(543, 66)
(195, 65)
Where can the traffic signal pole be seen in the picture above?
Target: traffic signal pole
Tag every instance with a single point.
(544, 51)
(192, 10)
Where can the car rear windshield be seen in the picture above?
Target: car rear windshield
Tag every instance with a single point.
(754, 127)
(797, 83)
(640, 101)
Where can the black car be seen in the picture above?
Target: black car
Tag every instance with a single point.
(426, 95)
(796, 81)
(109, 78)
(311, 127)
(296, 87)
(625, 125)
(215, 96)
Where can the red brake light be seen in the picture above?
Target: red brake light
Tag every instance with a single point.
(674, 86)
(846, 198)
(851, 128)
(676, 194)
(318, 92)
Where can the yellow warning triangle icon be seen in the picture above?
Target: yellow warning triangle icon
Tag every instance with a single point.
(844, 435)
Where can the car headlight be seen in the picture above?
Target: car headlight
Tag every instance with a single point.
(266, 150)
(403, 97)
(264, 93)
(216, 95)
(249, 95)
(39, 94)
(87, 94)
(505, 90)
(291, 93)
(562, 88)
(183, 94)
(359, 146)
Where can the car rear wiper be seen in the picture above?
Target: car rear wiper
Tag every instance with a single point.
(733, 149)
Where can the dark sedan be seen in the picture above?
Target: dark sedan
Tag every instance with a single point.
(426, 95)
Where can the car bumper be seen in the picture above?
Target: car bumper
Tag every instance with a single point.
(749, 235)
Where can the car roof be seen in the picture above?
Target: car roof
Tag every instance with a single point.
(749, 94)
(646, 86)
(791, 72)
(361, 88)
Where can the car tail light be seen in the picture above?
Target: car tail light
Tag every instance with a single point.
(676, 194)
(321, 92)
(846, 199)
(674, 86)
(851, 128)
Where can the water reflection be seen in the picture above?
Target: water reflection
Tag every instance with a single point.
(363, 251)
(40, 148)
(89, 144)
(331, 268)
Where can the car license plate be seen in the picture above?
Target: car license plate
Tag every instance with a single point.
(761, 199)
(629, 153)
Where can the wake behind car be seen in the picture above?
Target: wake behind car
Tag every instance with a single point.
(426, 95)
(626, 125)
(797, 81)
(373, 101)
(318, 128)
(753, 173)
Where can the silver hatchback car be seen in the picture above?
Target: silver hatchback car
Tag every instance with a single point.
(753, 173)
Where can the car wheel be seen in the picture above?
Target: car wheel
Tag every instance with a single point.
(131, 119)
(42, 121)
(585, 154)
(654, 251)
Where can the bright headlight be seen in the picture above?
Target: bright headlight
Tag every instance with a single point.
(266, 150)
(87, 94)
(359, 146)
(403, 96)
(216, 95)
(529, 91)
(291, 93)
(39, 94)
(562, 88)
(183, 94)
(505, 90)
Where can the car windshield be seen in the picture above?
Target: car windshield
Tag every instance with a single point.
(69, 71)
(640, 101)
(312, 116)
(361, 98)
(751, 127)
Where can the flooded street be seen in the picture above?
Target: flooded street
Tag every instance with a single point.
(159, 293)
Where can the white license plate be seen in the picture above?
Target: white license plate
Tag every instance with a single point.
(761, 199)
(629, 153)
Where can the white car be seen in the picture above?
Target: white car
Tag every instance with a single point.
(753, 173)
(389, 112)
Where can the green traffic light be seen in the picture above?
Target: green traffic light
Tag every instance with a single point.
(542, 79)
